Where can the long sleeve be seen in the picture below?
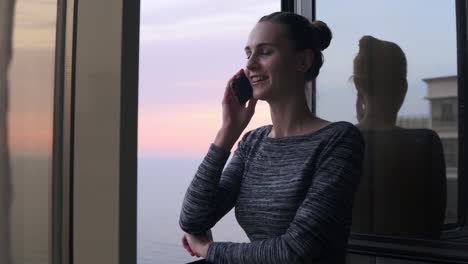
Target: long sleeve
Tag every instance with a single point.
(321, 223)
(212, 192)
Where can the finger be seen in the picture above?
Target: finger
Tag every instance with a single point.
(229, 96)
(184, 241)
(239, 73)
(186, 245)
(190, 251)
(229, 85)
(228, 90)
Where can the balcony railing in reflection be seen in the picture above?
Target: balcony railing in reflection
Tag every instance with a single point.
(419, 121)
(444, 124)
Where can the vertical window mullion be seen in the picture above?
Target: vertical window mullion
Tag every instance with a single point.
(462, 46)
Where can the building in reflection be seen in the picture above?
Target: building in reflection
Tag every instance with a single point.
(443, 119)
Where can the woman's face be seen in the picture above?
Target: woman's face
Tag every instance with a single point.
(272, 61)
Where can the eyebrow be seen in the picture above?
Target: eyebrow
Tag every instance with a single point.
(259, 45)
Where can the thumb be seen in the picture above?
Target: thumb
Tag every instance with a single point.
(252, 104)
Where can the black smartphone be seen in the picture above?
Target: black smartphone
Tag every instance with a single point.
(242, 89)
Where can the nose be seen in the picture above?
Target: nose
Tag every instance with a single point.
(252, 63)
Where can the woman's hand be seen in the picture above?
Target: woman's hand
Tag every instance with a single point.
(236, 117)
(197, 245)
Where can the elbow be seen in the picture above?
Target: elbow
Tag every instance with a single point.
(193, 225)
(299, 249)
(190, 228)
(187, 224)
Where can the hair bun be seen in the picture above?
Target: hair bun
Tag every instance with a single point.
(324, 34)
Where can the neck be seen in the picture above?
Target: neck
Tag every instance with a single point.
(378, 115)
(378, 121)
(291, 117)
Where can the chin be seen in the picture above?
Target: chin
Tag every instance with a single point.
(260, 95)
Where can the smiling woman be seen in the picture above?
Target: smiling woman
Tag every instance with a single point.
(295, 206)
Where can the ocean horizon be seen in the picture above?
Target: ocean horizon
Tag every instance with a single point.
(162, 182)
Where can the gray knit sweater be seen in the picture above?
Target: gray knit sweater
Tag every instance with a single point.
(293, 195)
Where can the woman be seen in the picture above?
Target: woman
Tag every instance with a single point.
(291, 183)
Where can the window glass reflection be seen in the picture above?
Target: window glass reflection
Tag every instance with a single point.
(29, 131)
(388, 73)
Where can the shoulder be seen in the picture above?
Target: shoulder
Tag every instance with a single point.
(344, 130)
(344, 139)
(252, 138)
(410, 135)
(428, 133)
(256, 134)
(421, 137)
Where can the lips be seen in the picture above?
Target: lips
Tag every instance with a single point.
(255, 79)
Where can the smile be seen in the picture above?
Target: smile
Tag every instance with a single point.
(257, 79)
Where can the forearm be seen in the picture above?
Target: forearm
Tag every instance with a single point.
(199, 206)
(225, 139)
(270, 251)
(213, 191)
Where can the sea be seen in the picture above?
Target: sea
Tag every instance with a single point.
(162, 183)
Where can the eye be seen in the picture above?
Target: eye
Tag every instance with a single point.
(265, 52)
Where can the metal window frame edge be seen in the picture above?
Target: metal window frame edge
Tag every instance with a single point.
(68, 123)
(61, 144)
(462, 58)
(306, 8)
(129, 132)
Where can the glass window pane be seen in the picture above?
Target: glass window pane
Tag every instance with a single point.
(188, 52)
(29, 132)
(391, 69)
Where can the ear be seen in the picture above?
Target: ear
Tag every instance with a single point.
(360, 107)
(306, 59)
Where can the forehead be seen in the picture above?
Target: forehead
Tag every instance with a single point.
(267, 32)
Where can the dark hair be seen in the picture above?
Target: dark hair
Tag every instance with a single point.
(304, 35)
(380, 70)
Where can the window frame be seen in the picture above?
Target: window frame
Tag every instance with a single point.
(79, 32)
(95, 113)
(68, 109)
(446, 251)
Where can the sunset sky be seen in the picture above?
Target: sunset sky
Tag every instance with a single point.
(189, 49)
(187, 55)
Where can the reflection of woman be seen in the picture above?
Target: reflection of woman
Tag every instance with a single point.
(291, 183)
(402, 192)
(380, 79)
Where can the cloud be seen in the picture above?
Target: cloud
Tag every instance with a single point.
(200, 19)
(211, 27)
